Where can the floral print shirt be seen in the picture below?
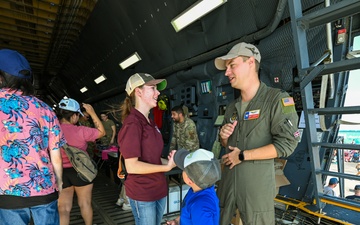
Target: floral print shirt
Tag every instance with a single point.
(29, 129)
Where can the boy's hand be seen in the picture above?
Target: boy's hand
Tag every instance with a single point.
(173, 222)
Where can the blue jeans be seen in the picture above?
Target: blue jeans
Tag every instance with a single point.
(42, 215)
(148, 213)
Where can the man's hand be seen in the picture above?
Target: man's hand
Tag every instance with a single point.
(175, 221)
(232, 158)
(227, 130)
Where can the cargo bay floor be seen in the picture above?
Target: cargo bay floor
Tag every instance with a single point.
(106, 212)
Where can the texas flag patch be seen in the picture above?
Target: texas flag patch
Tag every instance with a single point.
(252, 115)
(288, 101)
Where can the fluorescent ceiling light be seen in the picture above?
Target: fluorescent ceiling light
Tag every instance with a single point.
(84, 89)
(134, 58)
(100, 79)
(195, 12)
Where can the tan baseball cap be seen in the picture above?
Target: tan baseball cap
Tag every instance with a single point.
(241, 49)
(139, 79)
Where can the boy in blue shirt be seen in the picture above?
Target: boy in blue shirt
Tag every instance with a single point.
(200, 171)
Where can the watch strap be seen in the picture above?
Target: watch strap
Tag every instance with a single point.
(241, 156)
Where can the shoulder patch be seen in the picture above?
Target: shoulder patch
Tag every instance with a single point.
(289, 101)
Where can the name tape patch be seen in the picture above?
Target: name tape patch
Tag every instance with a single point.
(252, 115)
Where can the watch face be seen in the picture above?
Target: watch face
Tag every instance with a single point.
(241, 156)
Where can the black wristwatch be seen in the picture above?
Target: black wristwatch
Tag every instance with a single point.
(241, 156)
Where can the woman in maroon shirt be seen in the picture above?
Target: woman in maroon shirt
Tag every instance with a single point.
(141, 145)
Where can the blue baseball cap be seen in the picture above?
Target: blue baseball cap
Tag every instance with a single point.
(333, 181)
(12, 62)
(70, 105)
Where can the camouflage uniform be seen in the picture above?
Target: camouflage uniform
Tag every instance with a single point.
(185, 136)
(85, 123)
(105, 141)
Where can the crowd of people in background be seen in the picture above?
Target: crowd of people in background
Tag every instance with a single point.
(349, 156)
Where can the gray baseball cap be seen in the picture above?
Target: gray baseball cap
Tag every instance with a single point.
(200, 166)
(139, 79)
(241, 49)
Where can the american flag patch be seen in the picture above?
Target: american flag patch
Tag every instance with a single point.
(288, 101)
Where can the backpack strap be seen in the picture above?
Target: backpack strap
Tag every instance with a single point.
(121, 173)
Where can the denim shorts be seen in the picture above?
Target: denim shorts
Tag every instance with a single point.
(148, 213)
(42, 215)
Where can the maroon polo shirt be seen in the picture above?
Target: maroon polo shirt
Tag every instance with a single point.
(143, 140)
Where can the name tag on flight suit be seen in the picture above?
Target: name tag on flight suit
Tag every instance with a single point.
(252, 115)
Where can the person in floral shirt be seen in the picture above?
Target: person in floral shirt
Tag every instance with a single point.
(30, 141)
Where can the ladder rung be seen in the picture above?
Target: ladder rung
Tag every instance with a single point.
(343, 65)
(335, 110)
(337, 146)
(338, 66)
(336, 174)
(339, 200)
(328, 14)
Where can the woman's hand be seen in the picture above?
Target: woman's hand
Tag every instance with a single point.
(174, 221)
(171, 162)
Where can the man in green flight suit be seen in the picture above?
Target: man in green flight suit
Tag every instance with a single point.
(258, 126)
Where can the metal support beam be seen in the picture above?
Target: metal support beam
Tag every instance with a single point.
(331, 68)
(337, 146)
(335, 110)
(326, 15)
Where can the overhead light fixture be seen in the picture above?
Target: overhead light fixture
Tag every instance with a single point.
(131, 60)
(100, 79)
(84, 89)
(194, 12)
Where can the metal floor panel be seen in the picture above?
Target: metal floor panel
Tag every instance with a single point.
(106, 212)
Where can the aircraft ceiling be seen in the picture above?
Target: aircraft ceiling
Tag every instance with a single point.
(69, 43)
